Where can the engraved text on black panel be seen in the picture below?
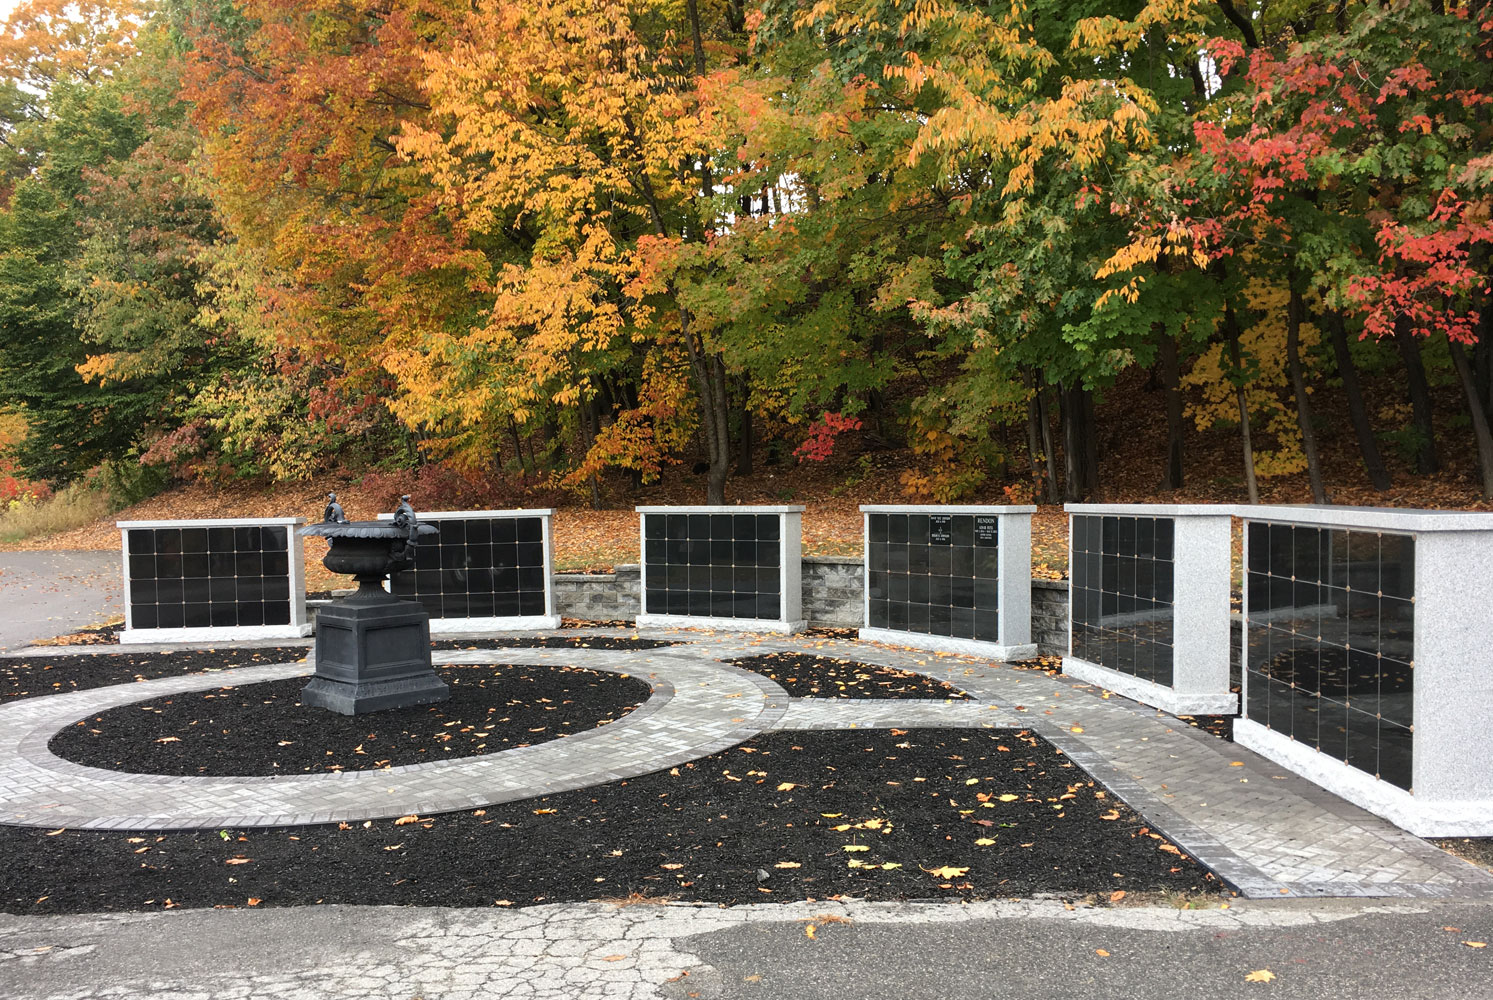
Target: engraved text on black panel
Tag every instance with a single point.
(935, 574)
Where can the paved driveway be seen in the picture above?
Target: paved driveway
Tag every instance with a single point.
(43, 594)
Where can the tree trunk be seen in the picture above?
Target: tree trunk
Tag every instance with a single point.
(1420, 399)
(1479, 416)
(1294, 315)
(518, 446)
(1090, 436)
(1373, 462)
(1079, 448)
(744, 452)
(1171, 384)
(1232, 325)
(1049, 449)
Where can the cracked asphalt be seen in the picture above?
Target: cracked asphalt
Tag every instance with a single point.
(1339, 949)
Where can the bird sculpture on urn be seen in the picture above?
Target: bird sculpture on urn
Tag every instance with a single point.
(333, 513)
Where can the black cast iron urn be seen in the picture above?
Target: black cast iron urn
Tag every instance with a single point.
(372, 649)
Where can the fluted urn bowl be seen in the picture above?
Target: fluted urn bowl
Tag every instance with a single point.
(368, 551)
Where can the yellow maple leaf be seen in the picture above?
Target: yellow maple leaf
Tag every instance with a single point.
(856, 847)
(787, 786)
(787, 864)
(947, 871)
(984, 841)
(1259, 976)
(1008, 797)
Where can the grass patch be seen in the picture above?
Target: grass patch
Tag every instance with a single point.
(73, 507)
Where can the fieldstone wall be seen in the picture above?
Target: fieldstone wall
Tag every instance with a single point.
(833, 591)
(1050, 616)
(832, 596)
(613, 596)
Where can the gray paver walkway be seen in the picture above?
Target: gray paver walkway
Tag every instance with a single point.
(1262, 829)
(697, 708)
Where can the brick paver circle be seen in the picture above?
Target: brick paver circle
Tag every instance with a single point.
(696, 708)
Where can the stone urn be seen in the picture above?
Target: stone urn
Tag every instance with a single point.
(372, 649)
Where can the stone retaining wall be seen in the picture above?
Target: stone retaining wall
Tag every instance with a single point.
(832, 596)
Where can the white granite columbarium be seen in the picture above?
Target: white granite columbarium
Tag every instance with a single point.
(1367, 662)
(483, 571)
(722, 567)
(213, 579)
(1149, 603)
(951, 578)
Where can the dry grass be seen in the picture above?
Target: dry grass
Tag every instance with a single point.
(74, 507)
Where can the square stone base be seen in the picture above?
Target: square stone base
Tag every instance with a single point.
(373, 655)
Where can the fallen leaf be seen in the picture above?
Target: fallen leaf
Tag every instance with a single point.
(1117, 895)
(809, 931)
(1259, 976)
(1008, 797)
(238, 861)
(1476, 944)
(947, 871)
(671, 867)
(856, 847)
(406, 820)
(254, 900)
(1113, 814)
(169, 739)
(787, 864)
(614, 958)
(53, 833)
(544, 812)
(1101, 952)
(1075, 729)
(984, 842)
(1236, 763)
(787, 786)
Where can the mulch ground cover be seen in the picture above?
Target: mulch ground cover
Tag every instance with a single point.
(875, 814)
(31, 676)
(260, 729)
(809, 675)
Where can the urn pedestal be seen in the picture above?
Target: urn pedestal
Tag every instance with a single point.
(372, 649)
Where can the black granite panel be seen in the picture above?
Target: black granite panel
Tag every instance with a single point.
(1122, 587)
(479, 567)
(1331, 635)
(208, 577)
(713, 565)
(935, 573)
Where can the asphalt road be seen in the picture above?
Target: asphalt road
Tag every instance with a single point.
(44, 594)
(1314, 950)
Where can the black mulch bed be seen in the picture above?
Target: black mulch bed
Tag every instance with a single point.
(875, 814)
(31, 676)
(554, 642)
(808, 675)
(260, 729)
(1221, 726)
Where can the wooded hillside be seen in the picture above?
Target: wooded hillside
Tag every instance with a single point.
(589, 244)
